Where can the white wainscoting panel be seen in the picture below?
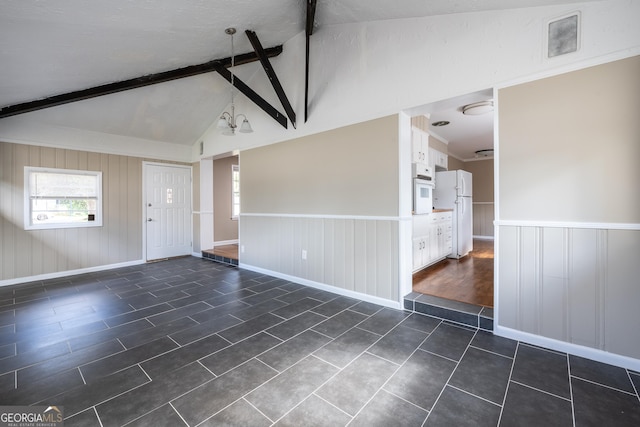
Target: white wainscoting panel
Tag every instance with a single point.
(483, 215)
(359, 255)
(577, 285)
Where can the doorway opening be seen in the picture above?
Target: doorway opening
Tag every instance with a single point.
(226, 209)
(461, 141)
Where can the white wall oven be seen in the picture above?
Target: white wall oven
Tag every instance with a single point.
(422, 196)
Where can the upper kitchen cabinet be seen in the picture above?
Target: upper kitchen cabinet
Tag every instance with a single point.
(438, 161)
(419, 146)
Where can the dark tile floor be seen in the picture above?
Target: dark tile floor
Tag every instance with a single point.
(192, 342)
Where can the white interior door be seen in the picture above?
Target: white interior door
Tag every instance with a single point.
(167, 210)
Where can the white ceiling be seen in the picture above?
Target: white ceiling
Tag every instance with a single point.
(54, 47)
(465, 134)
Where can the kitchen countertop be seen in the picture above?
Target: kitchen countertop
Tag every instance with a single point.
(442, 210)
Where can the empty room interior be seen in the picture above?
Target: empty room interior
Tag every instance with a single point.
(286, 213)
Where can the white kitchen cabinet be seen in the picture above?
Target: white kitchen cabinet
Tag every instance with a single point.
(442, 233)
(419, 146)
(432, 235)
(421, 252)
(438, 159)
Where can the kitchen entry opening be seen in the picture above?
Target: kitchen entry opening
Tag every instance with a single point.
(454, 147)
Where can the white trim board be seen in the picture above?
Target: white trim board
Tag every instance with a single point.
(322, 286)
(568, 224)
(565, 347)
(357, 217)
(58, 274)
(225, 242)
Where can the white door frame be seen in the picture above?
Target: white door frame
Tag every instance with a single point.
(145, 165)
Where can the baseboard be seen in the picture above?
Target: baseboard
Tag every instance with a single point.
(329, 288)
(57, 274)
(225, 242)
(484, 237)
(565, 347)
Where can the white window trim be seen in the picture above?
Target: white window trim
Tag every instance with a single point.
(234, 168)
(28, 224)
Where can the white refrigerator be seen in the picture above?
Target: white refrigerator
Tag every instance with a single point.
(453, 191)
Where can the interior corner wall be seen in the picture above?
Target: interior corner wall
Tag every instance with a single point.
(569, 209)
(225, 228)
(323, 209)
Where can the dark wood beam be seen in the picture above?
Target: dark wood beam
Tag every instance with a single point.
(311, 13)
(253, 96)
(275, 82)
(135, 83)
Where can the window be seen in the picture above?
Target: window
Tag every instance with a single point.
(235, 191)
(61, 198)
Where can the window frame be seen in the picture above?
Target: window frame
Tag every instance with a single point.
(28, 217)
(235, 171)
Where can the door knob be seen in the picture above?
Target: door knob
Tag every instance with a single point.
(149, 219)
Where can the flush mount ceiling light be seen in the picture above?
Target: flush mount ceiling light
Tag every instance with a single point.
(228, 121)
(440, 123)
(478, 108)
(487, 152)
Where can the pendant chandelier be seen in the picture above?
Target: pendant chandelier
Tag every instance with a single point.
(228, 122)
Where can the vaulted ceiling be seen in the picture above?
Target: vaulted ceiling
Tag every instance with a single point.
(54, 47)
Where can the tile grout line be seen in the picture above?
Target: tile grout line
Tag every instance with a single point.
(540, 390)
(340, 370)
(476, 396)
(399, 366)
(506, 392)
(450, 376)
(603, 385)
(490, 352)
(241, 397)
(573, 409)
(178, 413)
(95, 411)
(633, 384)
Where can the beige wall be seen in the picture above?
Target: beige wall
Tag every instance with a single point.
(347, 171)
(569, 150)
(324, 194)
(483, 199)
(224, 228)
(570, 146)
(482, 171)
(28, 253)
(36, 252)
(455, 164)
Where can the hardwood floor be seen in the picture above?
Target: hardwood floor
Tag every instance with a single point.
(469, 279)
(229, 251)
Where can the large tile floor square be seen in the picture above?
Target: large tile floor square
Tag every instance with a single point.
(194, 343)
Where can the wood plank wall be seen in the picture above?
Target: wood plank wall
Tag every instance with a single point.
(36, 252)
(359, 255)
(577, 285)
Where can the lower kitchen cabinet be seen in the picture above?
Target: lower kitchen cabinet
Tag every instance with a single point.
(432, 235)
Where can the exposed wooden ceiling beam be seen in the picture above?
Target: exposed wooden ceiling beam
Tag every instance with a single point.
(135, 83)
(253, 96)
(273, 78)
(311, 13)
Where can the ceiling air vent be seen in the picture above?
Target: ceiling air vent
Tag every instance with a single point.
(563, 35)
